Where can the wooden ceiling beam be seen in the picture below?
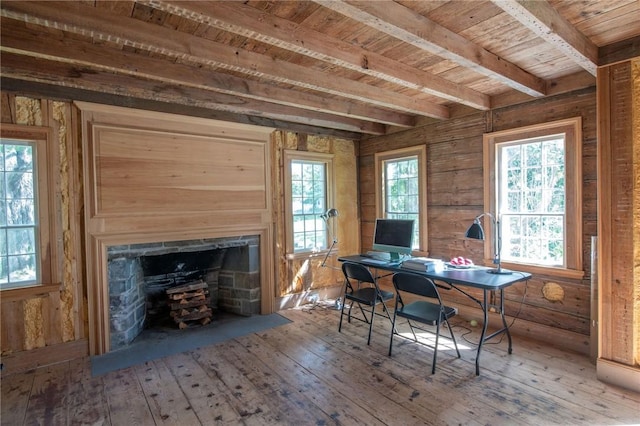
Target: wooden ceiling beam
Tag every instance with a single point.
(21, 67)
(61, 93)
(88, 21)
(249, 22)
(544, 21)
(29, 41)
(404, 24)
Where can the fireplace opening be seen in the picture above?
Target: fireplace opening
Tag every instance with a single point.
(169, 271)
(222, 277)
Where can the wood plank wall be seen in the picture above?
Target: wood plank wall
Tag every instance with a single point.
(619, 189)
(33, 319)
(455, 197)
(52, 325)
(300, 276)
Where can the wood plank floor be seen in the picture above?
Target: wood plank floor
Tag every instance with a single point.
(307, 373)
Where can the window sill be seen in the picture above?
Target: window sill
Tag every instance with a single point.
(42, 290)
(541, 270)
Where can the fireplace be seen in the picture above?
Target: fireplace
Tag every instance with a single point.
(150, 177)
(140, 274)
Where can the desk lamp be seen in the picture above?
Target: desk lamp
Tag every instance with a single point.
(476, 232)
(326, 216)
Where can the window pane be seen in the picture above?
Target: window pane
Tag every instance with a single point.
(20, 212)
(3, 243)
(401, 192)
(532, 201)
(20, 241)
(22, 268)
(4, 271)
(18, 232)
(309, 199)
(18, 158)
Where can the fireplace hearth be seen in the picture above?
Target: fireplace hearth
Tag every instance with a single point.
(140, 275)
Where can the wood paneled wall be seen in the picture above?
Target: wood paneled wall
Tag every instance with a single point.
(455, 197)
(154, 177)
(619, 212)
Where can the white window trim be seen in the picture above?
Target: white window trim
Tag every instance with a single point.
(572, 129)
(397, 154)
(289, 156)
(46, 227)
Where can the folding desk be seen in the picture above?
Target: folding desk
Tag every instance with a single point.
(476, 277)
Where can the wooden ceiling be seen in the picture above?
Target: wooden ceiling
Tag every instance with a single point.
(344, 68)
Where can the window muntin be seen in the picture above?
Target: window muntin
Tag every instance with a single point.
(308, 202)
(308, 191)
(401, 191)
(19, 257)
(545, 182)
(531, 200)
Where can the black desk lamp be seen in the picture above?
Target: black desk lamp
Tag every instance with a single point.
(326, 216)
(476, 232)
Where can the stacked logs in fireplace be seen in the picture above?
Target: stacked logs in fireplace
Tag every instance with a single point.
(190, 304)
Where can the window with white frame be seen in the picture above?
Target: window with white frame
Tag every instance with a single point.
(308, 182)
(401, 178)
(25, 253)
(536, 174)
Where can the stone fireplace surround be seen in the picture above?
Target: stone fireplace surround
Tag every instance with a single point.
(229, 265)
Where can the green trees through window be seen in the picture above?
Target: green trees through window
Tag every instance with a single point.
(18, 241)
(533, 184)
(401, 192)
(308, 202)
(531, 178)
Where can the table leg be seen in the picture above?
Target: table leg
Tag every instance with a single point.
(504, 320)
(485, 322)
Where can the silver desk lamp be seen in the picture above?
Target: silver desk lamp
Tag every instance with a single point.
(331, 213)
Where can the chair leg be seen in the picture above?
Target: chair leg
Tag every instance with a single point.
(412, 330)
(453, 337)
(373, 314)
(364, 314)
(435, 350)
(342, 315)
(393, 330)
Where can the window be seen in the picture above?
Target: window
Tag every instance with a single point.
(308, 177)
(24, 206)
(402, 189)
(536, 173)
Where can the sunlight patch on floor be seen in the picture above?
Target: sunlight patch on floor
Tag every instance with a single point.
(429, 339)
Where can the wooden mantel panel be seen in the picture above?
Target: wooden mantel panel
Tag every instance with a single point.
(137, 171)
(153, 177)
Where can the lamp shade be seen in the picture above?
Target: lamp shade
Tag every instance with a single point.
(475, 231)
(332, 213)
(329, 214)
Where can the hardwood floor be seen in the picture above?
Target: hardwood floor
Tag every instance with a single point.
(305, 373)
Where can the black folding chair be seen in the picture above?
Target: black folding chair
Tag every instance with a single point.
(427, 308)
(361, 289)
